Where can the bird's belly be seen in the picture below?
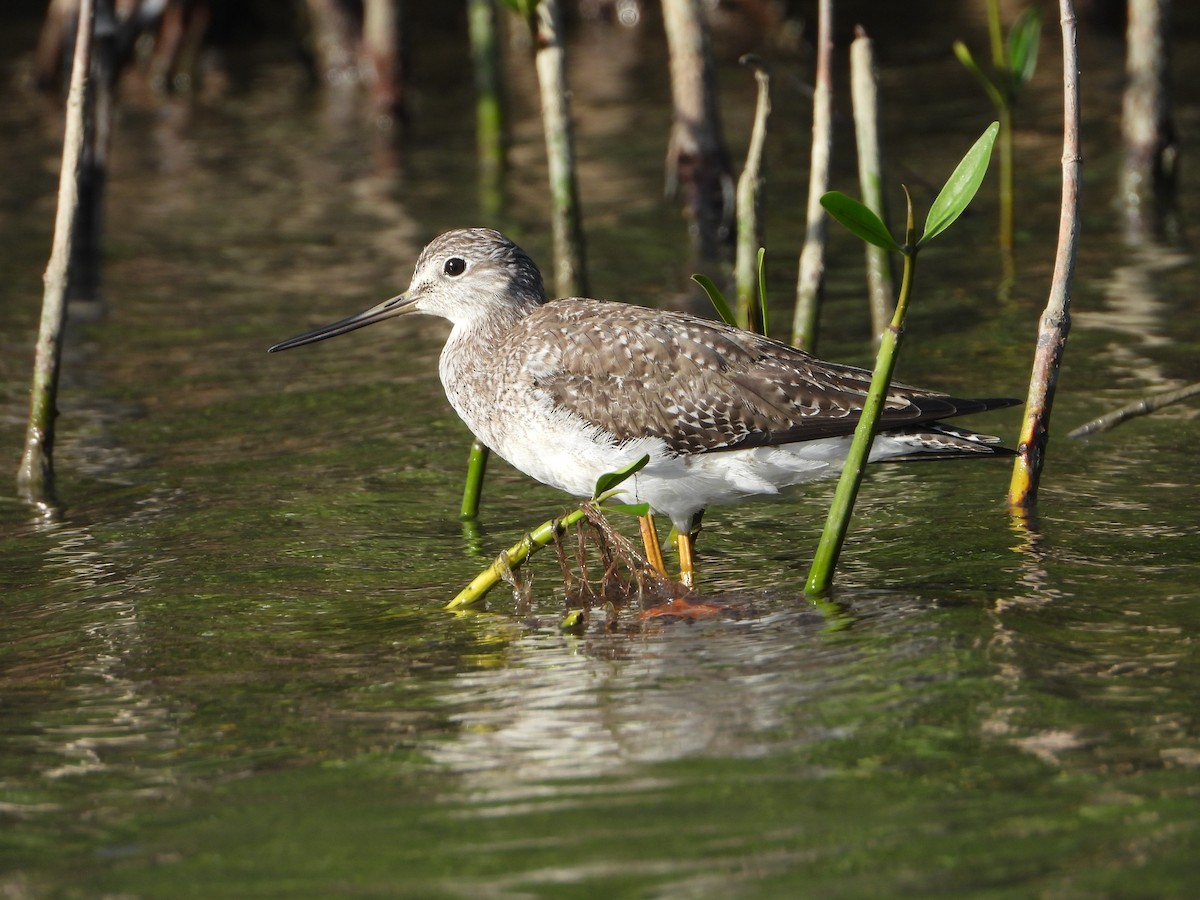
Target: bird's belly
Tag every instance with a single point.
(680, 486)
(555, 447)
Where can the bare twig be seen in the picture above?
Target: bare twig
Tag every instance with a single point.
(1056, 318)
(382, 52)
(811, 277)
(1133, 410)
(697, 162)
(865, 96)
(750, 204)
(35, 477)
(570, 273)
(1151, 151)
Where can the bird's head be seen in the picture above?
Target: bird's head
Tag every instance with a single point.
(470, 276)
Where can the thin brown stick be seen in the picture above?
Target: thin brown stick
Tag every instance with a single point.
(698, 166)
(1142, 407)
(35, 477)
(382, 50)
(1056, 318)
(811, 277)
(1151, 151)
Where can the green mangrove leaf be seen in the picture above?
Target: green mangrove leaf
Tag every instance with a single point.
(1023, 47)
(859, 219)
(637, 510)
(964, 56)
(610, 480)
(720, 304)
(961, 186)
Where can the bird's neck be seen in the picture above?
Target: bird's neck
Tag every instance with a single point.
(464, 362)
(488, 330)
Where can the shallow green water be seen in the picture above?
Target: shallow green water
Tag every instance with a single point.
(227, 671)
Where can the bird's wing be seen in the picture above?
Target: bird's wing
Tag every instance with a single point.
(698, 385)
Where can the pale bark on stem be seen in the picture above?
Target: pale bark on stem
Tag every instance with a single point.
(383, 56)
(1056, 318)
(48, 57)
(333, 40)
(570, 276)
(1148, 175)
(810, 280)
(864, 94)
(750, 204)
(87, 249)
(35, 477)
(698, 164)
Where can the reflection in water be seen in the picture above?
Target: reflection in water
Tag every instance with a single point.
(104, 723)
(560, 708)
(1136, 312)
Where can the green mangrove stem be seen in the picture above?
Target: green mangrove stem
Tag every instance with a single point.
(473, 489)
(1004, 114)
(490, 128)
(837, 523)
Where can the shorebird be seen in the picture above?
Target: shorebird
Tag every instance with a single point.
(567, 390)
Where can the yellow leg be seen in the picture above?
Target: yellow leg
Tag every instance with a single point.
(687, 562)
(650, 542)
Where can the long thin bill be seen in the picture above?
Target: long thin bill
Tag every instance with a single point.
(396, 306)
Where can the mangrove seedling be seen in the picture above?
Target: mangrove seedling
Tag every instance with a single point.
(1013, 63)
(954, 197)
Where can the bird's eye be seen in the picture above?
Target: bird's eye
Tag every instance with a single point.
(455, 265)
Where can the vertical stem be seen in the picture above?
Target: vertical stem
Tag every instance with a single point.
(811, 277)
(749, 207)
(48, 57)
(865, 96)
(332, 37)
(85, 270)
(35, 477)
(1056, 318)
(996, 36)
(697, 162)
(551, 60)
(381, 45)
(1148, 175)
(837, 523)
(1004, 114)
(473, 490)
(489, 105)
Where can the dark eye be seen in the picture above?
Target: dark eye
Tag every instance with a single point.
(455, 265)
